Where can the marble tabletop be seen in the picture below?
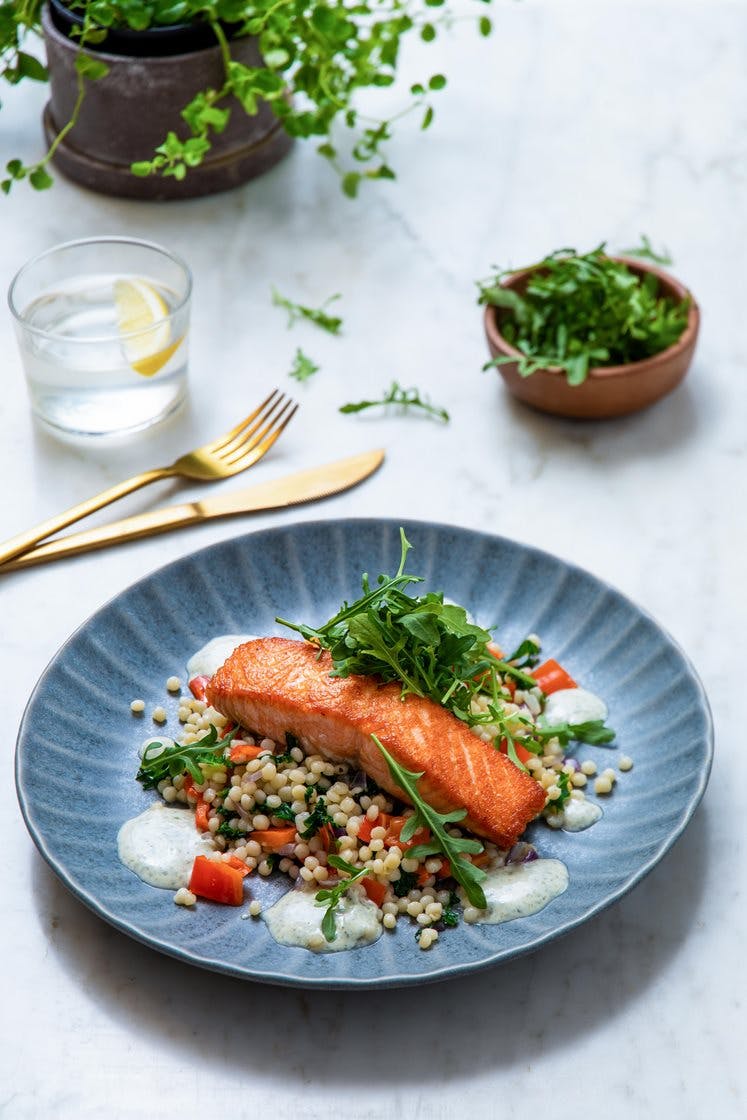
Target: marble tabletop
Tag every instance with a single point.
(573, 124)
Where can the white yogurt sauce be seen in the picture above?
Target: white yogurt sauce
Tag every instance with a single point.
(295, 918)
(573, 705)
(160, 846)
(521, 889)
(578, 815)
(210, 658)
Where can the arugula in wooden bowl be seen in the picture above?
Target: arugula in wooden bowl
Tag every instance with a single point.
(590, 335)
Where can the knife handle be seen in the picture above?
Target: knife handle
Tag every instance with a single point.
(141, 525)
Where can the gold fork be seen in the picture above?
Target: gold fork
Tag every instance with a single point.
(230, 454)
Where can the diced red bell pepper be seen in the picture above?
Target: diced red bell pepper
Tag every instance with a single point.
(237, 864)
(273, 839)
(244, 752)
(197, 687)
(375, 890)
(217, 881)
(202, 813)
(551, 677)
(367, 826)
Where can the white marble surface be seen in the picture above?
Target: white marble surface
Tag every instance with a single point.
(571, 125)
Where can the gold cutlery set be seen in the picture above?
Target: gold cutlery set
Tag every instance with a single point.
(233, 452)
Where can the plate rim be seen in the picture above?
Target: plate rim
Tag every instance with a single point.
(450, 970)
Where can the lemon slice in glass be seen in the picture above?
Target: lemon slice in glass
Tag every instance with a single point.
(141, 308)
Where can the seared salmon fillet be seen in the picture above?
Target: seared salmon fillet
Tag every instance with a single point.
(276, 686)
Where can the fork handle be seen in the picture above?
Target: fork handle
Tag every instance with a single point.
(24, 541)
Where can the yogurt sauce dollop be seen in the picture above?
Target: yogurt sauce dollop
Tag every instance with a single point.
(212, 655)
(297, 920)
(160, 846)
(521, 889)
(573, 705)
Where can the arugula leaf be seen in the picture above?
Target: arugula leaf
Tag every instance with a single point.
(405, 398)
(316, 315)
(431, 648)
(526, 655)
(332, 895)
(647, 252)
(159, 762)
(564, 785)
(582, 310)
(455, 848)
(593, 731)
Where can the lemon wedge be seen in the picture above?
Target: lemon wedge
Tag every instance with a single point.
(142, 309)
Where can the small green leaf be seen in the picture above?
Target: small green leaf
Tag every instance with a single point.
(485, 26)
(438, 81)
(40, 180)
(30, 67)
(89, 67)
(350, 183)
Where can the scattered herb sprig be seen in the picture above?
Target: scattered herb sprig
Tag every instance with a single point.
(584, 310)
(319, 316)
(404, 398)
(157, 764)
(303, 367)
(454, 848)
(332, 895)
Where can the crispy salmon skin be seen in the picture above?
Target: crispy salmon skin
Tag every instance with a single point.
(276, 686)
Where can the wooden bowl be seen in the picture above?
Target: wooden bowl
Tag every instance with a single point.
(610, 390)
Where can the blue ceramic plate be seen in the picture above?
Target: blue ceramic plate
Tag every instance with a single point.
(77, 749)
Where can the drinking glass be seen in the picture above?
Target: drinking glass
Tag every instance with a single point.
(102, 325)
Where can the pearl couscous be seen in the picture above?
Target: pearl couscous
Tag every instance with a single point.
(266, 808)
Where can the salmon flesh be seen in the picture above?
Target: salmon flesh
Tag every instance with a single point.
(278, 687)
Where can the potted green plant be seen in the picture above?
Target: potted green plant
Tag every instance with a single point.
(173, 98)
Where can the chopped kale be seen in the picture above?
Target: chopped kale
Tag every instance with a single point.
(316, 820)
(407, 882)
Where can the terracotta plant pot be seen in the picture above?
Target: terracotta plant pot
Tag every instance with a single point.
(607, 391)
(128, 113)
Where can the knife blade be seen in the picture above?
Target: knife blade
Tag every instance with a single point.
(295, 489)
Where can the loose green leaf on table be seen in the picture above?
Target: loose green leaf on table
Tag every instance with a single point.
(319, 316)
(303, 366)
(404, 398)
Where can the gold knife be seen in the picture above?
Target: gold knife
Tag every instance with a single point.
(306, 486)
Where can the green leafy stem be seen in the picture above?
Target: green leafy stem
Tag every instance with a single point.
(159, 762)
(331, 896)
(454, 848)
(317, 55)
